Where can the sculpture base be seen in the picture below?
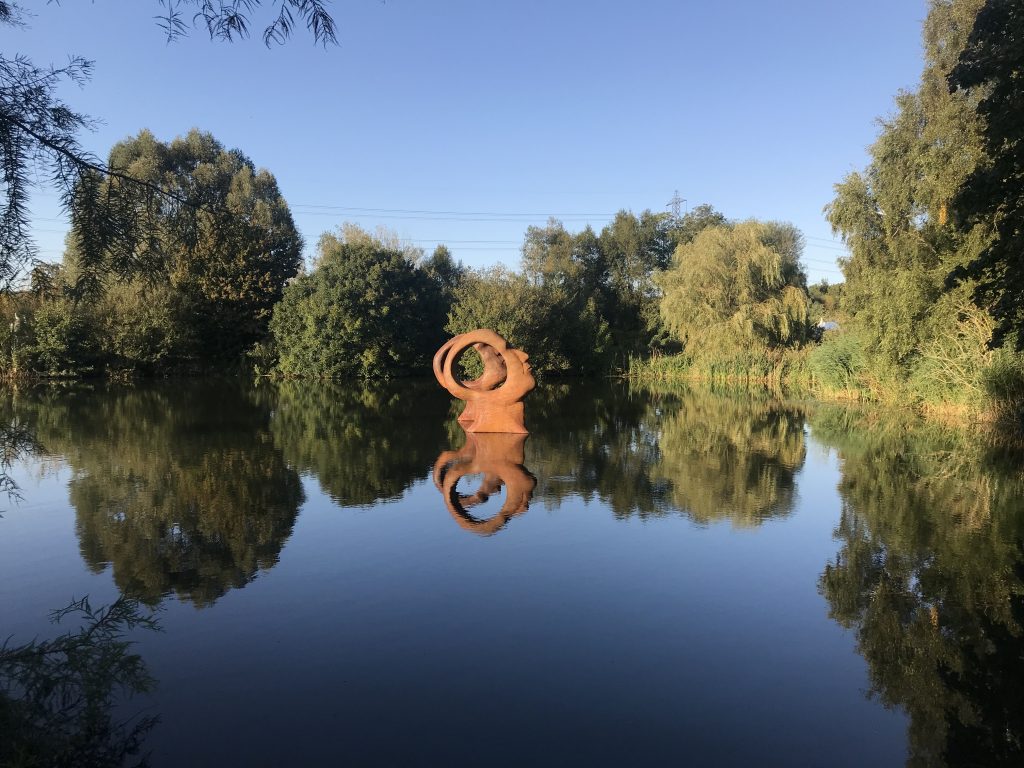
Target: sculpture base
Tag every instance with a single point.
(496, 417)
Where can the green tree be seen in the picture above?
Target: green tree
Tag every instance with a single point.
(736, 286)
(442, 268)
(224, 255)
(365, 311)
(518, 309)
(571, 272)
(686, 228)
(894, 216)
(633, 248)
(992, 63)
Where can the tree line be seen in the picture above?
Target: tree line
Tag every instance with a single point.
(187, 260)
(209, 276)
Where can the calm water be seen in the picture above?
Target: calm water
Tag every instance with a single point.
(651, 578)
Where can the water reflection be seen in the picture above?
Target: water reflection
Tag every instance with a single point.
(598, 443)
(930, 576)
(59, 697)
(17, 442)
(498, 458)
(193, 489)
(731, 459)
(179, 488)
(648, 452)
(363, 444)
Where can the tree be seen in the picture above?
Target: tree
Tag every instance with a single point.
(364, 311)
(603, 286)
(894, 216)
(516, 308)
(992, 62)
(443, 269)
(736, 286)
(686, 228)
(632, 249)
(217, 263)
(571, 271)
(38, 131)
(233, 20)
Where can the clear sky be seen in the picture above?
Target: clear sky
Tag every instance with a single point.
(432, 110)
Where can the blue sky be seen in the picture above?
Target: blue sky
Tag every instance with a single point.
(512, 110)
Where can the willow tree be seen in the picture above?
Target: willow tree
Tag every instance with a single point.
(732, 287)
(895, 218)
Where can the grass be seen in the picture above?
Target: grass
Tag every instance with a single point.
(837, 370)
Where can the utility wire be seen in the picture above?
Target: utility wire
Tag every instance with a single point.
(442, 213)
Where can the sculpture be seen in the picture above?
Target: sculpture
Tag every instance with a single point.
(499, 458)
(494, 401)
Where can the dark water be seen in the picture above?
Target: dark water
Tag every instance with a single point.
(652, 578)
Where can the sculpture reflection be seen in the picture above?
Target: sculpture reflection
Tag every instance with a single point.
(499, 459)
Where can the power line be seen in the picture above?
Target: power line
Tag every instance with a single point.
(442, 213)
(444, 218)
(492, 242)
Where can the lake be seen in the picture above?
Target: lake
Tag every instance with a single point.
(650, 577)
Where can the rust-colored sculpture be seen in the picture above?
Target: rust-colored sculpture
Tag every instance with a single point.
(494, 401)
(499, 458)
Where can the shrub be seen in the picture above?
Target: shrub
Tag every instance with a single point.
(365, 311)
(838, 361)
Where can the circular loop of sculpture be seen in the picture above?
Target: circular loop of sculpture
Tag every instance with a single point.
(499, 459)
(494, 401)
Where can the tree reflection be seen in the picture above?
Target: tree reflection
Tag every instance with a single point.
(595, 441)
(364, 444)
(729, 458)
(58, 697)
(17, 441)
(930, 576)
(649, 451)
(179, 487)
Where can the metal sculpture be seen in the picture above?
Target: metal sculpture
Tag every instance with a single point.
(494, 401)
